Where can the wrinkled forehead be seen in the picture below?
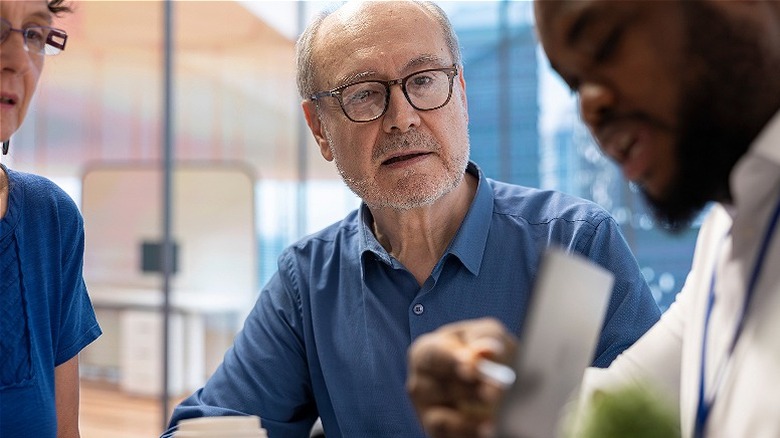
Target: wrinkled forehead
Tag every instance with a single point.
(555, 18)
(358, 21)
(371, 12)
(561, 24)
(362, 35)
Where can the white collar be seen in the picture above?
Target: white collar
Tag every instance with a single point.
(767, 144)
(755, 175)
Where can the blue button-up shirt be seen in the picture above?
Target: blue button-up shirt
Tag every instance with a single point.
(329, 333)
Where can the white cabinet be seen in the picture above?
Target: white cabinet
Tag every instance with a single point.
(215, 232)
(140, 352)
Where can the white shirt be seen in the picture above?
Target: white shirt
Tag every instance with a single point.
(747, 402)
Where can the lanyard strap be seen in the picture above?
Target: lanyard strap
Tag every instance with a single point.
(705, 403)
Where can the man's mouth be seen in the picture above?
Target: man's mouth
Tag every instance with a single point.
(7, 100)
(628, 149)
(401, 158)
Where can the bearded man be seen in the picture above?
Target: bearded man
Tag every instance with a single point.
(685, 97)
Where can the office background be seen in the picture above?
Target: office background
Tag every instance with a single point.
(242, 150)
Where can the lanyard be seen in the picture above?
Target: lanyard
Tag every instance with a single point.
(705, 401)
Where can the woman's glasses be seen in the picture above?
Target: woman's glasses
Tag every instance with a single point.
(42, 40)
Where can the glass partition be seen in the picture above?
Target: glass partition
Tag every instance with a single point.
(98, 113)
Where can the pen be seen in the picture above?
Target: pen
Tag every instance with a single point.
(498, 374)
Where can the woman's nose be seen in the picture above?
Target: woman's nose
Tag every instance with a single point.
(13, 55)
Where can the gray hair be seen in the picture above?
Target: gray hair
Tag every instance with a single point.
(305, 46)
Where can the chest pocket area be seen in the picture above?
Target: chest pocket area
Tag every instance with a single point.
(15, 347)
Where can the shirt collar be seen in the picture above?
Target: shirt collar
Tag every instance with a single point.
(470, 240)
(368, 242)
(468, 245)
(755, 176)
(766, 144)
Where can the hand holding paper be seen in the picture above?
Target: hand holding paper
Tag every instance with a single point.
(459, 373)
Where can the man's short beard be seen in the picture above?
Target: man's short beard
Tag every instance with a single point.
(706, 152)
(716, 125)
(414, 191)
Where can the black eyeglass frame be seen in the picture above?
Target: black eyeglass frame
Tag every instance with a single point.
(56, 38)
(336, 92)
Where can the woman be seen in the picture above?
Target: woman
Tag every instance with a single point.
(46, 317)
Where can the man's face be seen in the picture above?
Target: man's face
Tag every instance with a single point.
(654, 81)
(407, 158)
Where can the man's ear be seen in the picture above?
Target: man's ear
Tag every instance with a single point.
(315, 125)
(462, 82)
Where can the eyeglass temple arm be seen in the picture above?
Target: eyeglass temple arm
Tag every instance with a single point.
(57, 38)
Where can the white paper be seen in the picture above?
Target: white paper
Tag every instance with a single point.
(557, 343)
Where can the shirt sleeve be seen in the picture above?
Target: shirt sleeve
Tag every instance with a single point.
(78, 325)
(265, 372)
(657, 357)
(632, 309)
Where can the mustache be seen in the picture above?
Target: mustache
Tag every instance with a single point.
(412, 140)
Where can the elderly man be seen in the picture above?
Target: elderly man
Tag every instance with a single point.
(433, 242)
(684, 96)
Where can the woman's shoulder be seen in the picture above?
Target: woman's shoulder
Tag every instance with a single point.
(40, 194)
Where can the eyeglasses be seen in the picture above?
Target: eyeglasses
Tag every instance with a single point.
(365, 101)
(42, 40)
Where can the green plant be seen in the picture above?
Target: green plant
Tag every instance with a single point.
(631, 412)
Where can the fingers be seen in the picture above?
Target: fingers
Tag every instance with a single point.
(488, 338)
(449, 423)
(451, 396)
(428, 391)
(440, 353)
(455, 348)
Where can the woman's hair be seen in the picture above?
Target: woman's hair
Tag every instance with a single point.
(58, 7)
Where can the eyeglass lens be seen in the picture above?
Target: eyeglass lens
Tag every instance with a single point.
(425, 90)
(37, 39)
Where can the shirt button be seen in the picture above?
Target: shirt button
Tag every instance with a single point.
(418, 309)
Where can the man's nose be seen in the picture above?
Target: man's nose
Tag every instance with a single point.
(596, 100)
(400, 115)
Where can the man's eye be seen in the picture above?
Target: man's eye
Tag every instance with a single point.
(361, 96)
(420, 81)
(608, 46)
